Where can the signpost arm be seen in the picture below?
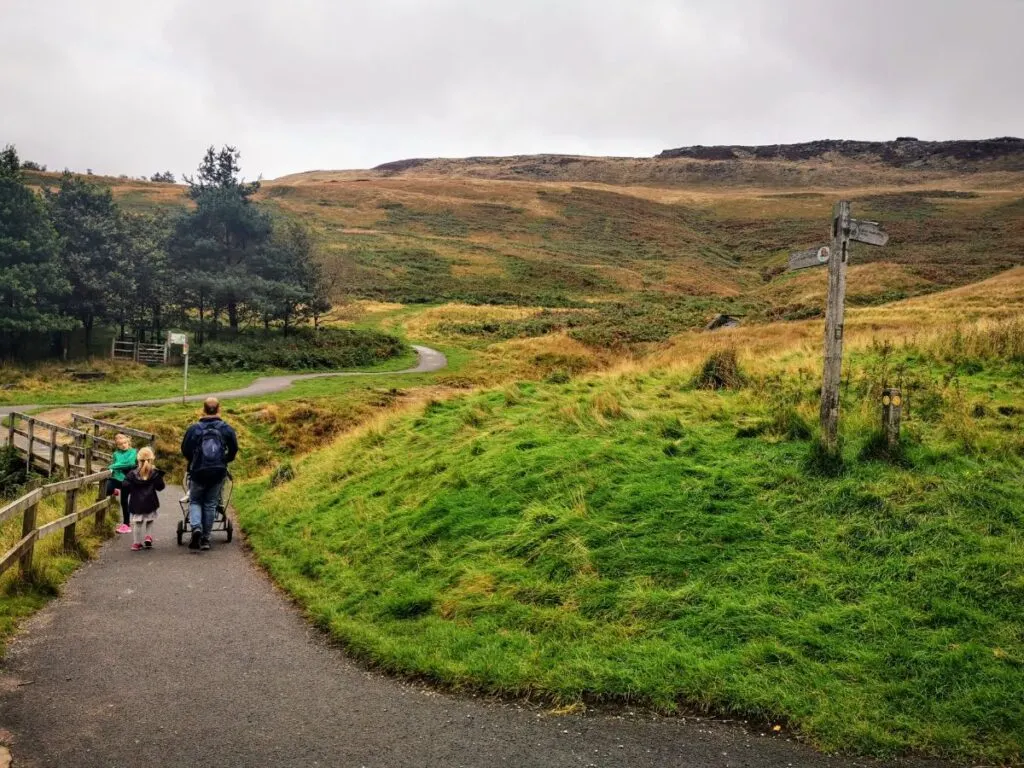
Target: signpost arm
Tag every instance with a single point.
(184, 390)
(834, 326)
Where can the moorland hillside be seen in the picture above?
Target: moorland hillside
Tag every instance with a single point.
(646, 247)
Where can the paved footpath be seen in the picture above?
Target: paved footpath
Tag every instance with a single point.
(172, 658)
(427, 361)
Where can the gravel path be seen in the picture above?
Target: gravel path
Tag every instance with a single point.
(175, 658)
(427, 361)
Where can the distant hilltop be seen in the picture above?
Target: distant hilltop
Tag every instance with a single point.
(829, 163)
(904, 152)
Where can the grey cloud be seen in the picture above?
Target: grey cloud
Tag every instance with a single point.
(319, 83)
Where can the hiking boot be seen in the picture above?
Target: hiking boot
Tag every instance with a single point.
(204, 544)
(193, 543)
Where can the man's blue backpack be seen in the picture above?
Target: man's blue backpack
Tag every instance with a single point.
(208, 460)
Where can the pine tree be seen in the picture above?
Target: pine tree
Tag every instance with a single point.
(216, 245)
(142, 295)
(31, 281)
(87, 221)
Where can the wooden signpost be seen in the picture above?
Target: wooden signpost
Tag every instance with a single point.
(836, 255)
(892, 410)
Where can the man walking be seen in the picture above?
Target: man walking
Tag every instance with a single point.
(209, 445)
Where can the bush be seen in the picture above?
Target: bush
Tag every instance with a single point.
(720, 371)
(12, 471)
(326, 349)
(282, 474)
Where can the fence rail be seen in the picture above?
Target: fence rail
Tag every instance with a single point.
(109, 426)
(86, 448)
(28, 507)
(151, 354)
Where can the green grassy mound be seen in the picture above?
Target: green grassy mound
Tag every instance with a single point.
(633, 538)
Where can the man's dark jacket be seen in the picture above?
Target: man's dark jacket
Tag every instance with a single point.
(194, 436)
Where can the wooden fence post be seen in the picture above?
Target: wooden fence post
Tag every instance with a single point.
(88, 455)
(101, 515)
(53, 450)
(31, 440)
(28, 525)
(66, 452)
(10, 429)
(839, 255)
(892, 407)
(69, 509)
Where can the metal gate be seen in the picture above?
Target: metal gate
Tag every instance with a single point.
(149, 354)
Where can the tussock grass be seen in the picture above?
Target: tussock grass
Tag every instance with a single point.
(720, 371)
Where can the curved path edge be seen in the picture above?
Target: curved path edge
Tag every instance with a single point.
(427, 361)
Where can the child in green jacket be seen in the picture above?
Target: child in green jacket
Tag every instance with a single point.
(124, 460)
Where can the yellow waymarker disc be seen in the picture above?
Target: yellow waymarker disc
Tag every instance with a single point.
(885, 400)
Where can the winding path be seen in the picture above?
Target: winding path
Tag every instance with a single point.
(427, 361)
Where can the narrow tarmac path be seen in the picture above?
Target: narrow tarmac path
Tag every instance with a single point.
(427, 361)
(175, 658)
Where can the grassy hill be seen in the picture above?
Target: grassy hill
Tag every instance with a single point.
(631, 536)
(651, 246)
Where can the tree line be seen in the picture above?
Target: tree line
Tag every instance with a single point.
(70, 258)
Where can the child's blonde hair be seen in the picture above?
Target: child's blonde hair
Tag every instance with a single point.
(146, 462)
(119, 438)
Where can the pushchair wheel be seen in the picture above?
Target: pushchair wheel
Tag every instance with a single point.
(181, 531)
(230, 529)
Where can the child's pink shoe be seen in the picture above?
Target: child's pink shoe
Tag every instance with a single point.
(122, 528)
(136, 547)
(148, 543)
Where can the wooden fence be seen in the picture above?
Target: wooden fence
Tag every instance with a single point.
(28, 505)
(98, 425)
(78, 451)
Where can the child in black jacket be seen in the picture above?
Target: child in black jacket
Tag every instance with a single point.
(141, 486)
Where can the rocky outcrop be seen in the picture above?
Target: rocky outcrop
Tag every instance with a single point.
(904, 152)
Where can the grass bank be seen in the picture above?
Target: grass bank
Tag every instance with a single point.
(629, 537)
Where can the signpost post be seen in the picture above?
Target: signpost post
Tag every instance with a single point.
(836, 255)
(184, 390)
(181, 339)
(892, 410)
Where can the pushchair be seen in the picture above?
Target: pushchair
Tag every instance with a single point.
(221, 522)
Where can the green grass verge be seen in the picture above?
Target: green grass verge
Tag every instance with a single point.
(631, 539)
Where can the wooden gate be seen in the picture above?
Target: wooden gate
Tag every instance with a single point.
(149, 354)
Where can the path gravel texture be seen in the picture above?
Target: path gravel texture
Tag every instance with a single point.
(427, 361)
(177, 658)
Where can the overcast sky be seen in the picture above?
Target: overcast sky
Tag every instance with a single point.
(134, 86)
